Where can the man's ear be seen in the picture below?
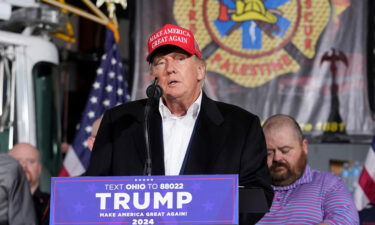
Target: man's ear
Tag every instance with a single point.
(40, 167)
(90, 142)
(150, 69)
(305, 146)
(201, 71)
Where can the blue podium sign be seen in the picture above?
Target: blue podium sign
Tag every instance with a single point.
(188, 199)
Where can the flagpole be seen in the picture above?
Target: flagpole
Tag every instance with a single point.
(95, 10)
(104, 21)
(78, 12)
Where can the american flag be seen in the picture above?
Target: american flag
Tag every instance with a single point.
(109, 89)
(365, 191)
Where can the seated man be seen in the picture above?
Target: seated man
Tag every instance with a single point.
(302, 195)
(28, 156)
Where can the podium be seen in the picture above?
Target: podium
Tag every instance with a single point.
(252, 205)
(186, 199)
(252, 200)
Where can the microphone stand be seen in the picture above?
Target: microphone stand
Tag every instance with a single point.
(153, 92)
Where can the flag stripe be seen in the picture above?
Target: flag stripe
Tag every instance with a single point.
(360, 198)
(72, 164)
(365, 191)
(367, 184)
(109, 89)
(63, 172)
(370, 161)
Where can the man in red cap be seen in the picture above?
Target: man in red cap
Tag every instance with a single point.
(189, 132)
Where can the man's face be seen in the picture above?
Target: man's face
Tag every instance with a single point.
(286, 155)
(28, 157)
(179, 75)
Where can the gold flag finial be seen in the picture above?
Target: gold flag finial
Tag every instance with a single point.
(111, 6)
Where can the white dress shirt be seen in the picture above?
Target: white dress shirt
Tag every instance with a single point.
(177, 132)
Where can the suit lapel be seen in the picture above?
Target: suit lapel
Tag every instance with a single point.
(207, 140)
(156, 140)
(156, 145)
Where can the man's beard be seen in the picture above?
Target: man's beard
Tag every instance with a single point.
(29, 175)
(290, 175)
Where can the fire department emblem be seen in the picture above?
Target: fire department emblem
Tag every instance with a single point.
(253, 41)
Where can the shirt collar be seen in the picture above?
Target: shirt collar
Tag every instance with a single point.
(305, 178)
(193, 109)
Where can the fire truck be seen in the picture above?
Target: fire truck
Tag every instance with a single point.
(29, 82)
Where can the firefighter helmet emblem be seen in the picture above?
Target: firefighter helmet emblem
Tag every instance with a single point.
(253, 41)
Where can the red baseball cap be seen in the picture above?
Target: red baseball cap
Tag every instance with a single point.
(173, 35)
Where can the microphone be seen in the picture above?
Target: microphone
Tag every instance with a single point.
(153, 92)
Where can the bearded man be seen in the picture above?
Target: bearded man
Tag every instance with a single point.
(302, 195)
(29, 158)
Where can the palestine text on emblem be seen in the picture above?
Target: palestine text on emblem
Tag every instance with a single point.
(254, 41)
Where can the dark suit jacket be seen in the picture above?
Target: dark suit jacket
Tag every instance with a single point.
(42, 204)
(226, 140)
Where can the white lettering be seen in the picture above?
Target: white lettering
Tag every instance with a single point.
(121, 199)
(159, 41)
(179, 39)
(146, 202)
(103, 197)
(135, 186)
(183, 198)
(159, 199)
(136, 200)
